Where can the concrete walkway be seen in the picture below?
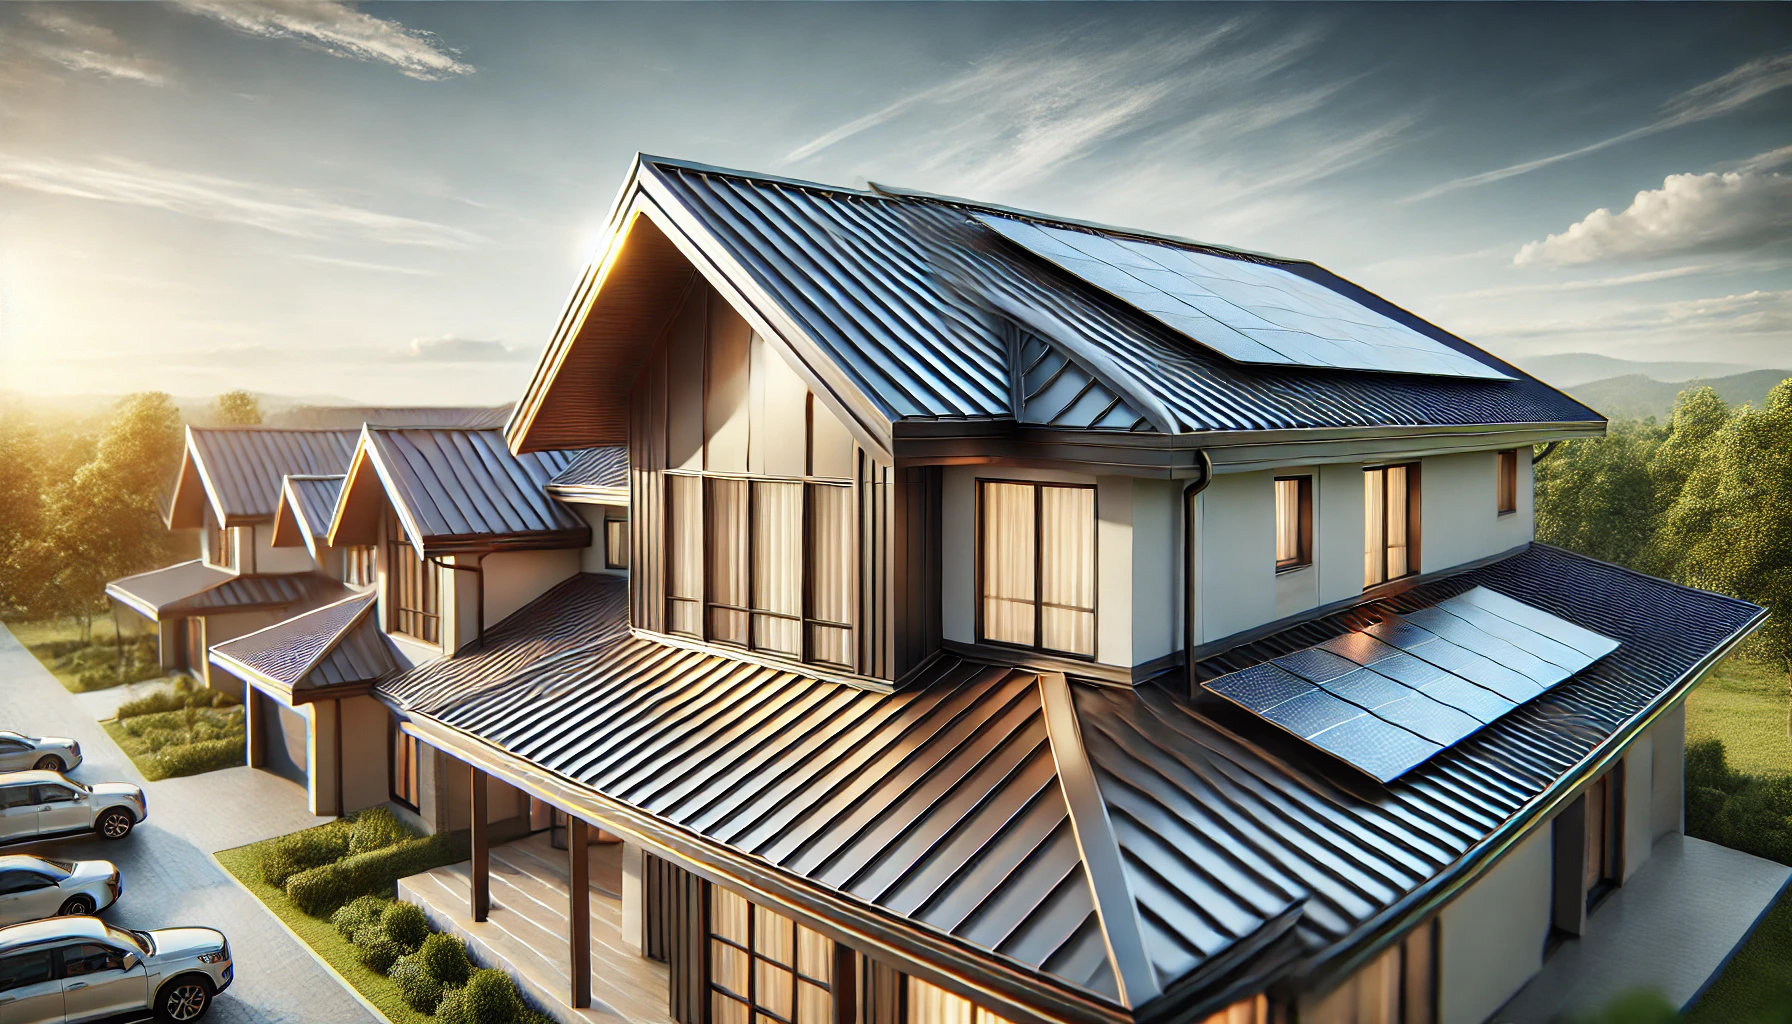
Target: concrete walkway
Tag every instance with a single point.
(103, 704)
(169, 875)
(1671, 928)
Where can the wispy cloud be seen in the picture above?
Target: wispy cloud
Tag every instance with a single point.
(1713, 212)
(297, 213)
(339, 29)
(1759, 312)
(451, 349)
(381, 268)
(56, 36)
(1721, 95)
(1593, 284)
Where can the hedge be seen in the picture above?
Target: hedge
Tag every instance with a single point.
(175, 698)
(1751, 813)
(362, 910)
(193, 758)
(377, 828)
(319, 890)
(405, 924)
(490, 997)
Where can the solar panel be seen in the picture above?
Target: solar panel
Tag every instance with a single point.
(1248, 312)
(1394, 693)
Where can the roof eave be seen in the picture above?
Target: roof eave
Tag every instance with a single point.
(482, 543)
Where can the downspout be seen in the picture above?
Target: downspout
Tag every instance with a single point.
(1188, 577)
(1547, 451)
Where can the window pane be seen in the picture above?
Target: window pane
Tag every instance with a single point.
(774, 992)
(616, 543)
(728, 917)
(726, 1010)
(1287, 520)
(830, 572)
(1374, 517)
(814, 955)
(727, 577)
(1398, 563)
(778, 566)
(773, 936)
(1067, 565)
(1008, 552)
(813, 1005)
(684, 547)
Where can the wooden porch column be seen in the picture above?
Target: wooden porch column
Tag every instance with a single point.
(578, 909)
(482, 849)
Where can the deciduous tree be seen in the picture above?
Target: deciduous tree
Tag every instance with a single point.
(236, 409)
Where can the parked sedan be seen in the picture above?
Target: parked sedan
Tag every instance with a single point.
(32, 888)
(83, 969)
(46, 805)
(19, 752)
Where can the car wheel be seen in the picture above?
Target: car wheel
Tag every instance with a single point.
(185, 998)
(48, 763)
(116, 823)
(77, 906)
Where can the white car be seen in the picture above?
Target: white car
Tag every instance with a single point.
(46, 805)
(19, 752)
(69, 969)
(33, 888)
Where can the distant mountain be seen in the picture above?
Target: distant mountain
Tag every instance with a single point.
(1635, 396)
(1570, 369)
(481, 417)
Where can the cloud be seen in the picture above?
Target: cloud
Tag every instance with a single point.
(296, 213)
(1734, 211)
(340, 30)
(1754, 314)
(381, 268)
(1727, 92)
(80, 46)
(450, 349)
(1592, 284)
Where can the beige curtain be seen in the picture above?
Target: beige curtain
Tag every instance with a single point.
(830, 574)
(1287, 520)
(1254, 1010)
(728, 561)
(1374, 519)
(684, 555)
(777, 567)
(1009, 546)
(930, 1004)
(1067, 569)
(773, 981)
(1399, 564)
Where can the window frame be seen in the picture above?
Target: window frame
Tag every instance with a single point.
(1413, 485)
(1610, 786)
(748, 1000)
(1304, 509)
(1505, 486)
(361, 565)
(705, 551)
(400, 558)
(222, 542)
(400, 744)
(611, 547)
(1038, 644)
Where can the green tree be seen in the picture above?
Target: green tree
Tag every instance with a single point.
(1596, 495)
(236, 409)
(21, 511)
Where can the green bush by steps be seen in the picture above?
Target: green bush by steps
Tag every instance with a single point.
(301, 851)
(362, 910)
(489, 997)
(377, 828)
(319, 890)
(444, 958)
(406, 925)
(421, 991)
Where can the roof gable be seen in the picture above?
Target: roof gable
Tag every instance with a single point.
(241, 468)
(337, 645)
(307, 504)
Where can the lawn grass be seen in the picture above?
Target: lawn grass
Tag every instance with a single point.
(1745, 704)
(244, 862)
(1756, 987)
(38, 636)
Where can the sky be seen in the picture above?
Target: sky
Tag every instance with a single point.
(389, 203)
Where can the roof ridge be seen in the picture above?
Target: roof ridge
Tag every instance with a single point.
(778, 179)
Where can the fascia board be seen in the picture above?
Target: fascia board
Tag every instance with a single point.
(205, 480)
(584, 494)
(396, 493)
(289, 510)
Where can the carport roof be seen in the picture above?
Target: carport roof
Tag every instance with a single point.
(339, 645)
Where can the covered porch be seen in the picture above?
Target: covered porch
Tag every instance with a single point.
(528, 930)
(1671, 927)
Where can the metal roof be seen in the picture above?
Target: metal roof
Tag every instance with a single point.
(463, 488)
(912, 297)
(336, 645)
(150, 593)
(303, 515)
(243, 593)
(242, 467)
(1125, 842)
(595, 472)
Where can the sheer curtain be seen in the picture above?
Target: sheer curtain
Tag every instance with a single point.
(728, 561)
(930, 1004)
(1374, 521)
(1287, 521)
(1398, 562)
(1009, 546)
(778, 567)
(1067, 569)
(830, 574)
(684, 555)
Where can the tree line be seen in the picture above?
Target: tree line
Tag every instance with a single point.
(1704, 499)
(82, 504)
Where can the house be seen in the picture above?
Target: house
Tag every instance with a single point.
(1005, 618)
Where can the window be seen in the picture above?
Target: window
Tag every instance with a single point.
(20, 969)
(360, 565)
(930, 1004)
(1507, 486)
(52, 795)
(89, 958)
(615, 543)
(218, 547)
(415, 593)
(1397, 987)
(762, 564)
(1600, 866)
(1294, 522)
(765, 968)
(1037, 566)
(405, 787)
(15, 796)
(1390, 523)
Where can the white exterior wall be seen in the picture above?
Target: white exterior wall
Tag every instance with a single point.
(1237, 564)
(595, 558)
(1338, 532)
(514, 578)
(366, 764)
(1113, 571)
(1493, 933)
(320, 756)
(1156, 585)
(1639, 802)
(271, 559)
(1668, 803)
(1459, 518)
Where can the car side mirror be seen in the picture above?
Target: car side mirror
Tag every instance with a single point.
(131, 960)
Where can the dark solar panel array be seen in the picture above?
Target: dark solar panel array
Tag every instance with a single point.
(1389, 696)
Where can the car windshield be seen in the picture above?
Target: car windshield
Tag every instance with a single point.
(67, 866)
(56, 869)
(138, 941)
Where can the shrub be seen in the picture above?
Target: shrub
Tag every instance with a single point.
(375, 948)
(1751, 813)
(1638, 1007)
(178, 697)
(362, 910)
(377, 828)
(444, 956)
(321, 889)
(406, 924)
(453, 1007)
(530, 1015)
(288, 855)
(421, 991)
(193, 758)
(491, 997)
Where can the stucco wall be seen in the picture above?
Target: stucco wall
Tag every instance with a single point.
(514, 578)
(320, 756)
(1113, 571)
(1237, 516)
(270, 559)
(1639, 803)
(1156, 585)
(1493, 933)
(366, 755)
(1668, 804)
(594, 557)
(1459, 511)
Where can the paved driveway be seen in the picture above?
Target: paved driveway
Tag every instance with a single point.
(169, 876)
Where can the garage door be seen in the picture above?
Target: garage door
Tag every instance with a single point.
(281, 738)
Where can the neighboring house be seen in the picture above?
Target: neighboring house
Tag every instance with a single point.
(961, 615)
